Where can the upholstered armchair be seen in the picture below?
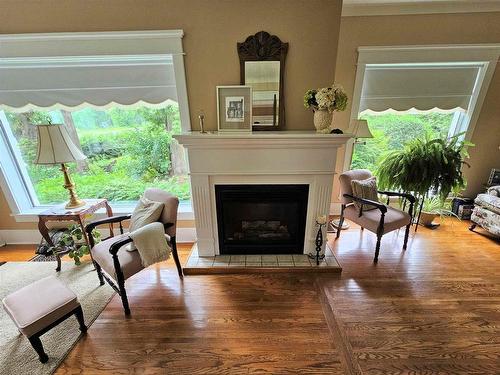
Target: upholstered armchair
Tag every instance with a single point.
(381, 220)
(114, 263)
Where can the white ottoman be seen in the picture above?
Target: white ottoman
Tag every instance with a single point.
(39, 307)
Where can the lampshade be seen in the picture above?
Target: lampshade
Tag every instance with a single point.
(362, 130)
(55, 146)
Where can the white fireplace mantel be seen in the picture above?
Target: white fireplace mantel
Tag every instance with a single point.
(286, 157)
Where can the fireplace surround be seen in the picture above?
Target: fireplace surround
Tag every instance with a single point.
(259, 158)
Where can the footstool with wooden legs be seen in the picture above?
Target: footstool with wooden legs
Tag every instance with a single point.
(39, 307)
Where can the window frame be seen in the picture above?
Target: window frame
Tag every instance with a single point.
(14, 179)
(484, 55)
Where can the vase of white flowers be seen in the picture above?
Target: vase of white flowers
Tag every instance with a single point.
(324, 102)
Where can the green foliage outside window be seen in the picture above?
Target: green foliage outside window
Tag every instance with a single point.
(392, 131)
(127, 150)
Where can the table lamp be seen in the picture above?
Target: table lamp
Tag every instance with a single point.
(56, 147)
(361, 130)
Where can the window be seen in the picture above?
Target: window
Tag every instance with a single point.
(410, 92)
(120, 95)
(392, 130)
(127, 151)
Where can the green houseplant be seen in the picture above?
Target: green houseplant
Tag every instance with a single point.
(73, 241)
(432, 208)
(425, 165)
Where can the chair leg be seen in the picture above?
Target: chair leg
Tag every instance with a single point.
(407, 233)
(176, 257)
(37, 345)
(341, 221)
(79, 317)
(472, 227)
(377, 248)
(99, 273)
(123, 295)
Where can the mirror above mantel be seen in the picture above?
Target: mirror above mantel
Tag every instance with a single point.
(262, 66)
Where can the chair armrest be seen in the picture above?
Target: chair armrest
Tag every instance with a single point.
(410, 197)
(379, 205)
(113, 249)
(108, 220)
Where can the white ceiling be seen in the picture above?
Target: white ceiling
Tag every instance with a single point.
(381, 7)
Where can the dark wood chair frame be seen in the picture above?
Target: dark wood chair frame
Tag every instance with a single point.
(35, 338)
(383, 210)
(115, 247)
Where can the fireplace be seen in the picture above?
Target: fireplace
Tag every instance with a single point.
(261, 219)
(259, 158)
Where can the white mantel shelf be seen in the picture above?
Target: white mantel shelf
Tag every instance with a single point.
(284, 157)
(267, 138)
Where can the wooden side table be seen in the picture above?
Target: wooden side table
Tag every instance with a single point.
(78, 215)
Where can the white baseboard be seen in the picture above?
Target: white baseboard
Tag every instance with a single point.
(335, 208)
(186, 235)
(32, 236)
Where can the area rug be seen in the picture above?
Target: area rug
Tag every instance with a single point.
(16, 354)
(43, 258)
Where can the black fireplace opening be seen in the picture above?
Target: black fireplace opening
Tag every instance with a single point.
(261, 219)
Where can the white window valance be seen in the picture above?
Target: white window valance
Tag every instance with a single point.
(421, 87)
(75, 70)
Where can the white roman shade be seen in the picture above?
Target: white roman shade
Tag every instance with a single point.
(75, 70)
(424, 87)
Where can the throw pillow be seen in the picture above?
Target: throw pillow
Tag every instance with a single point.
(366, 189)
(146, 212)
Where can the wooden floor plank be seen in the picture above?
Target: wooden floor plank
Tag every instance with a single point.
(432, 309)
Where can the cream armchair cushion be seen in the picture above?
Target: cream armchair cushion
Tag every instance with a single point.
(366, 189)
(146, 212)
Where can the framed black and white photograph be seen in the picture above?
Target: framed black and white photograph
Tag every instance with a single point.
(235, 107)
(234, 110)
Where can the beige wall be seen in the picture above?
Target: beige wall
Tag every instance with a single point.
(430, 29)
(212, 29)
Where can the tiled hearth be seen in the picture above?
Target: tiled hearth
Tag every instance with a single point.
(218, 264)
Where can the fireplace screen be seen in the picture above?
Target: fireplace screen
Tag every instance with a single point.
(261, 219)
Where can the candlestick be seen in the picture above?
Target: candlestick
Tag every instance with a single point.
(321, 219)
(202, 122)
(320, 222)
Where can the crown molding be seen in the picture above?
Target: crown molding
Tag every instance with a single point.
(101, 35)
(383, 7)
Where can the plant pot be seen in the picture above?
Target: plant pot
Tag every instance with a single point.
(426, 218)
(323, 121)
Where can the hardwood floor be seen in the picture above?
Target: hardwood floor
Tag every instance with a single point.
(434, 309)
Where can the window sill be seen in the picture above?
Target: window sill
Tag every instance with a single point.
(185, 212)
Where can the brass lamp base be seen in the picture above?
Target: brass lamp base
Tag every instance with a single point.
(75, 204)
(74, 201)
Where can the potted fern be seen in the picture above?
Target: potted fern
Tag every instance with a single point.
(424, 166)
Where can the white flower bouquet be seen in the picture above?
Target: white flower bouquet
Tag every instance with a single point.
(332, 98)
